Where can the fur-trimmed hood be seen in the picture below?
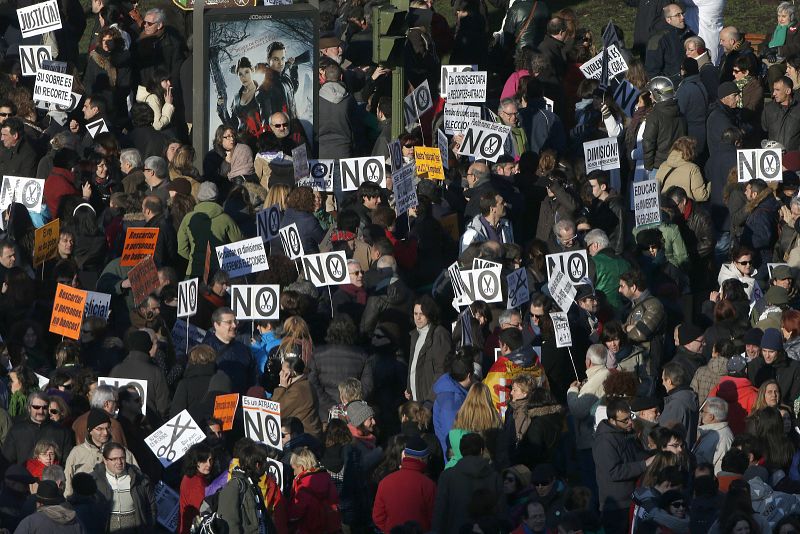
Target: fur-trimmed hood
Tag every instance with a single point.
(761, 197)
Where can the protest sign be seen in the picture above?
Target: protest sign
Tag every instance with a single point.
(626, 96)
(602, 154)
(466, 87)
(67, 314)
(356, 171)
(561, 328)
(55, 66)
(39, 18)
(481, 284)
(242, 257)
(429, 160)
(405, 194)
(171, 441)
(225, 409)
(53, 87)
(395, 155)
(326, 269)
(139, 383)
(763, 163)
(144, 279)
(26, 191)
(97, 127)
(321, 175)
(275, 470)
(444, 149)
(561, 289)
(45, 242)
(518, 291)
(139, 244)
(97, 305)
(574, 263)
(168, 506)
(256, 301)
(416, 104)
(484, 140)
(646, 202)
(180, 339)
(43, 381)
(32, 56)
(187, 297)
(262, 421)
(268, 223)
(300, 162)
(452, 68)
(479, 263)
(592, 69)
(291, 242)
(458, 117)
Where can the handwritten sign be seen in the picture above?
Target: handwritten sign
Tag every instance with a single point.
(225, 409)
(45, 242)
(144, 279)
(139, 244)
(67, 314)
(429, 160)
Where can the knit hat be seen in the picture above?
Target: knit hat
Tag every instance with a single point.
(139, 340)
(781, 272)
(415, 446)
(180, 185)
(777, 295)
(543, 474)
(207, 192)
(83, 484)
(772, 339)
(521, 473)
(727, 89)
(48, 493)
(358, 412)
(753, 337)
(737, 364)
(687, 332)
(96, 417)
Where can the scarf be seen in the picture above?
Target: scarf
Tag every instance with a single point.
(778, 36)
(105, 63)
(358, 293)
(740, 85)
(17, 403)
(366, 439)
(522, 419)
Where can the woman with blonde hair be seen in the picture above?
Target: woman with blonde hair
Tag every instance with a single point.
(277, 194)
(296, 339)
(314, 507)
(680, 170)
(769, 395)
(476, 415)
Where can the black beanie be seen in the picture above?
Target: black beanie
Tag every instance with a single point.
(96, 417)
(139, 340)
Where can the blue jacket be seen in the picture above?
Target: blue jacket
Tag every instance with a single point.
(261, 347)
(450, 396)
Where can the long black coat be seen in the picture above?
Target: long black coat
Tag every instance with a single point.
(192, 387)
(332, 365)
(430, 361)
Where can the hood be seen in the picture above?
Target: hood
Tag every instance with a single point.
(675, 159)
(141, 93)
(60, 513)
(220, 382)
(760, 491)
(445, 384)
(333, 459)
(212, 209)
(333, 92)
(206, 369)
(476, 467)
(316, 482)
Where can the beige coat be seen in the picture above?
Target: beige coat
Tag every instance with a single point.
(581, 401)
(162, 113)
(677, 172)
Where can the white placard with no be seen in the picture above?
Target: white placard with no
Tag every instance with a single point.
(321, 175)
(268, 223)
(172, 439)
(291, 242)
(481, 284)
(355, 171)
(187, 297)
(32, 56)
(26, 191)
(243, 257)
(262, 421)
(326, 269)
(484, 140)
(763, 163)
(256, 301)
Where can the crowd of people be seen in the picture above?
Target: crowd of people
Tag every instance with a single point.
(405, 406)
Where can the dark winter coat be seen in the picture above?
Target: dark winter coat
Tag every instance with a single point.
(557, 367)
(142, 492)
(665, 51)
(785, 371)
(192, 387)
(720, 118)
(664, 125)
(648, 16)
(52, 519)
(619, 461)
(782, 123)
(516, 16)
(167, 245)
(337, 109)
(332, 365)
(555, 52)
(728, 60)
(311, 233)
(539, 442)
(23, 435)
(680, 405)
(20, 160)
(391, 310)
(300, 400)
(430, 362)
(761, 227)
(140, 365)
(455, 490)
(238, 507)
(609, 216)
(561, 206)
(235, 360)
(716, 172)
(693, 100)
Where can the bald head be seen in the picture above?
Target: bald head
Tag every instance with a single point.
(673, 13)
(729, 37)
(279, 123)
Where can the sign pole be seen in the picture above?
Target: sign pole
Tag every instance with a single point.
(187, 337)
(330, 298)
(572, 361)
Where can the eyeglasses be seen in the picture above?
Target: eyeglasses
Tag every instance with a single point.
(5, 114)
(54, 412)
(148, 23)
(281, 125)
(230, 321)
(678, 504)
(510, 113)
(39, 406)
(745, 262)
(356, 273)
(116, 459)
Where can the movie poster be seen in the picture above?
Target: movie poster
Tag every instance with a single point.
(261, 62)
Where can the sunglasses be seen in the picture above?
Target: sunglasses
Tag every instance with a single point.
(745, 262)
(678, 504)
(39, 406)
(55, 412)
(281, 125)
(5, 114)
(148, 23)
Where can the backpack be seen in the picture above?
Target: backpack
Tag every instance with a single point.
(209, 521)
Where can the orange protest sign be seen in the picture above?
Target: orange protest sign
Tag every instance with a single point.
(67, 312)
(225, 409)
(429, 160)
(45, 242)
(139, 243)
(144, 279)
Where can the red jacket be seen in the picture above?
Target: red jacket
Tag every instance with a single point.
(60, 183)
(314, 507)
(405, 495)
(193, 491)
(740, 394)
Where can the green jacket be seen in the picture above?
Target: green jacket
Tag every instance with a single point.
(674, 246)
(206, 225)
(608, 268)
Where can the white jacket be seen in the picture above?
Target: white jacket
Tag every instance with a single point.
(476, 232)
(713, 441)
(582, 401)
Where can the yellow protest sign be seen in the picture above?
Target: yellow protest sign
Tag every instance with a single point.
(429, 160)
(45, 242)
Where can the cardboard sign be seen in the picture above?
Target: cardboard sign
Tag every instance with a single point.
(256, 301)
(484, 140)
(444, 148)
(139, 384)
(180, 340)
(561, 289)
(602, 154)
(518, 291)
(53, 87)
(225, 409)
(561, 328)
(763, 163)
(300, 162)
(275, 470)
(187, 297)
(321, 179)
(574, 263)
(626, 96)
(395, 155)
(97, 127)
(168, 506)
(43, 381)
(67, 315)
(45, 242)
(243, 257)
(355, 171)
(417, 104)
(262, 421)
(26, 191)
(139, 244)
(39, 18)
(405, 194)
(454, 272)
(291, 242)
(594, 67)
(73, 104)
(480, 263)
(144, 280)
(646, 202)
(55, 66)
(171, 441)
(458, 117)
(429, 160)
(97, 305)
(326, 269)
(446, 69)
(268, 223)
(481, 284)
(466, 87)
(31, 58)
